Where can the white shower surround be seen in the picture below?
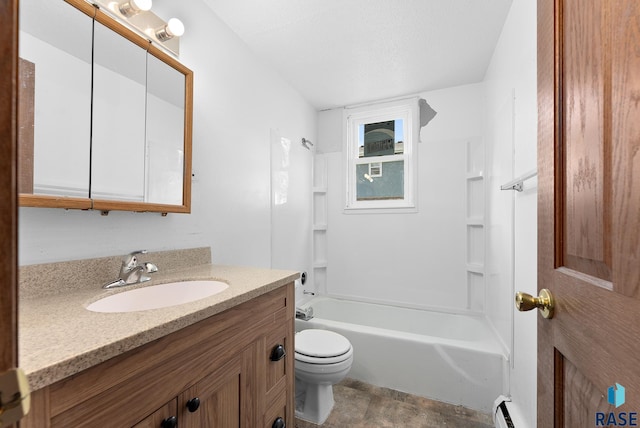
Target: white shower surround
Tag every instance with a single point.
(454, 358)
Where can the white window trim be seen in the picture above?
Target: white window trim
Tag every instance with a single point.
(408, 111)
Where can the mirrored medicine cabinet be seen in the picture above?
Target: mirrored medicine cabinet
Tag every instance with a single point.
(104, 117)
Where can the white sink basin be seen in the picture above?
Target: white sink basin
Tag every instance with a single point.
(158, 296)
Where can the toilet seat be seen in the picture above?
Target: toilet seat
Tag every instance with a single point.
(316, 346)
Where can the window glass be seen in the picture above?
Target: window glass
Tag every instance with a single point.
(383, 185)
(381, 157)
(381, 138)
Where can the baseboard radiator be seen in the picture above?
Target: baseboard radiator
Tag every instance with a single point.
(502, 417)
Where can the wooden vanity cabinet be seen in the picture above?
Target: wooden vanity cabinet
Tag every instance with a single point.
(215, 401)
(225, 371)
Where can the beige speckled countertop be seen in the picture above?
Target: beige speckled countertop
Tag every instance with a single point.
(58, 337)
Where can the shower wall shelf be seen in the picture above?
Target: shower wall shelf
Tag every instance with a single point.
(319, 224)
(475, 224)
(475, 268)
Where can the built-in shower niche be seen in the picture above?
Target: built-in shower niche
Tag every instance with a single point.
(475, 215)
(320, 226)
(319, 248)
(319, 209)
(475, 282)
(475, 248)
(475, 157)
(475, 200)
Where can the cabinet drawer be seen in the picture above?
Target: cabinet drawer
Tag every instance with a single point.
(277, 410)
(278, 344)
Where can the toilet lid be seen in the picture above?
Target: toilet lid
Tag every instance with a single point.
(321, 343)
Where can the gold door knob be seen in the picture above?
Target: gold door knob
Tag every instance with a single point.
(544, 302)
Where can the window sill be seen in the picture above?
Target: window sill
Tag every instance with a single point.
(387, 210)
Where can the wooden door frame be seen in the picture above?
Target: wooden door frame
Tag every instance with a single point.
(8, 186)
(548, 191)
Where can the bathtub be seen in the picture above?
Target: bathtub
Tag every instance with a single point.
(455, 358)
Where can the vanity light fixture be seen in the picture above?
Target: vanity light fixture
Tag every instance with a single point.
(173, 28)
(137, 16)
(134, 7)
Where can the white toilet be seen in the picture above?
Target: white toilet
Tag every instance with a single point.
(323, 358)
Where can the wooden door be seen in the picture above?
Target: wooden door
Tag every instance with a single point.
(219, 399)
(589, 211)
(8, 187)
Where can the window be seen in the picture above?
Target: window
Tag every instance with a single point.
(375, 169)
(381, 157)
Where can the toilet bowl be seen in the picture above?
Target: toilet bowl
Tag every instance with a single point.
(323, 358)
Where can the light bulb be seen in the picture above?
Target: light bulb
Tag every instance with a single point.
(173, 28)
(133, 7)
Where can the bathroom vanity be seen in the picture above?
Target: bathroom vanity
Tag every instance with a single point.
(225, 361)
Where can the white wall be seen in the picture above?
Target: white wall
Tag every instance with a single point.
(237, 101)
(511, 136)
(413, 259)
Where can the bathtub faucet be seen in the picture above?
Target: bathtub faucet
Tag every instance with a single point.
(304, 314)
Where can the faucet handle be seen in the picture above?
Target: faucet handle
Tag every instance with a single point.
(130, 260)
(150, 267)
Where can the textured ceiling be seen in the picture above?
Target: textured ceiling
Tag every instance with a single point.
(344, 52)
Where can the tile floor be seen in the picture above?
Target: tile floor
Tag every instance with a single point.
(359, 405)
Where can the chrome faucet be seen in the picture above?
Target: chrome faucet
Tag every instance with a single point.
(304, 314)
(131, 272)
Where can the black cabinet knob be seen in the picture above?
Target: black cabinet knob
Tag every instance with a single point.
(170, 422)
(277, 353)
(193, 404)
(278, 423)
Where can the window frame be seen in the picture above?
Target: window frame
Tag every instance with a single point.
(408, 111)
